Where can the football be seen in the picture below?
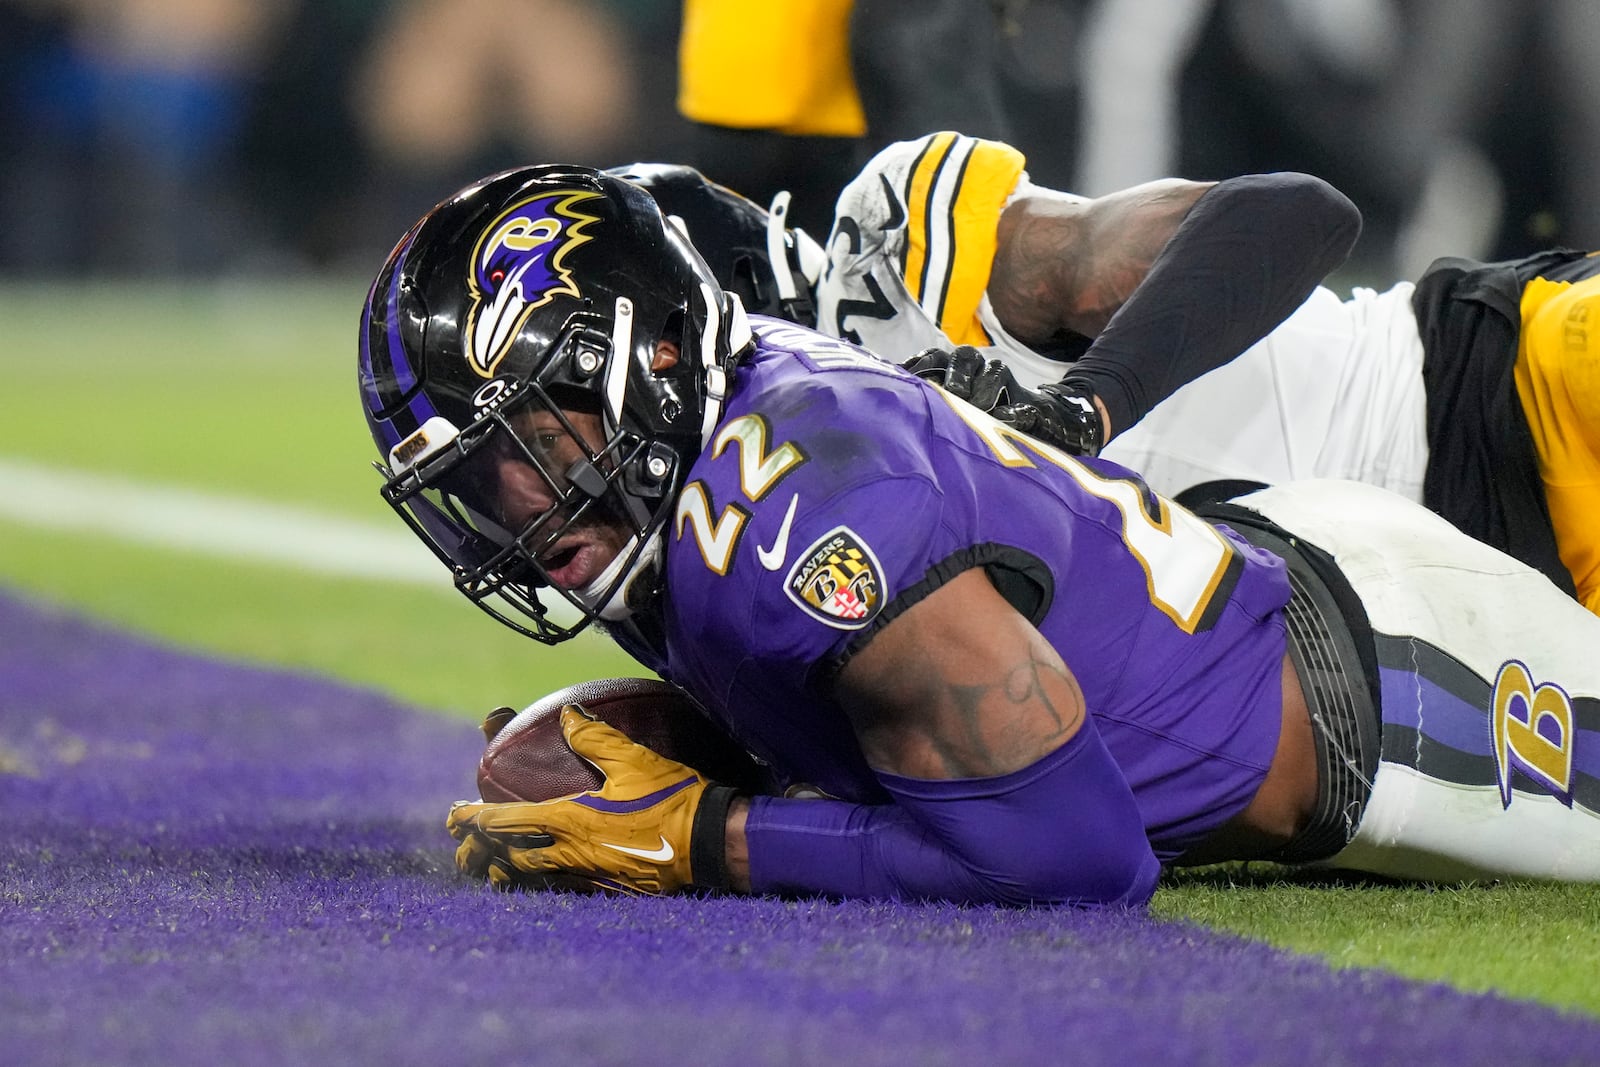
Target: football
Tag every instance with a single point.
(528, 759)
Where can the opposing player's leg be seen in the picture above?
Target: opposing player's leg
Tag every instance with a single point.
(1489, 688)
(1334, 392)
(1558, 383)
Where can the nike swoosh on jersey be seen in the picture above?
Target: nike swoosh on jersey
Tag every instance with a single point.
(772, 558)
(663, 854)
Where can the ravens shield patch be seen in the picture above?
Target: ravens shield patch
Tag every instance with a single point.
(838, 580)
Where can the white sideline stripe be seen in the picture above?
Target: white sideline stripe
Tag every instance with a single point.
(214, 524)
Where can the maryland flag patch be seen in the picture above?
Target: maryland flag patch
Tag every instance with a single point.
(838, 581)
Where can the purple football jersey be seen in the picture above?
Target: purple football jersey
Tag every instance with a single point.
(839, 490)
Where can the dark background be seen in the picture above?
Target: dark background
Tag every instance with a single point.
(209, 138)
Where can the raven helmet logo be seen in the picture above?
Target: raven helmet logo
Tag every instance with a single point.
(837, 580)
(518, 265)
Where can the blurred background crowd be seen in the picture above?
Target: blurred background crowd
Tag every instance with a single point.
(216, 138)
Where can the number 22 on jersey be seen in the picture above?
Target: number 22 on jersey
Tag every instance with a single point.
(1184, 558)
(759, 470)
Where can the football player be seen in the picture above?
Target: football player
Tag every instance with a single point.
(1200, 282)
(1014, 675)
(1475, 391)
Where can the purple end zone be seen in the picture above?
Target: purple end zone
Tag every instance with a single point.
(206, 863)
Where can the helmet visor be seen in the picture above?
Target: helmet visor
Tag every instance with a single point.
(525, 507)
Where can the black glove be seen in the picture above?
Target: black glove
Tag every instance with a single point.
(1059, 414)
(963, 372)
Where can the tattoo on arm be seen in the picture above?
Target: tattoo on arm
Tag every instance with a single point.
(925, 713)
(1008, 724)
(1032, 286)
(1065, 266)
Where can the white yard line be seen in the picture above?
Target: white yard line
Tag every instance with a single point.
(213, 524)
(221, 526)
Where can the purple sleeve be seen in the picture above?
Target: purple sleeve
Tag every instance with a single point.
(1063, 830)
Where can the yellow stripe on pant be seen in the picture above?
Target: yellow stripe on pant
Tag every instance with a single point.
(977, 176)
(1558, 383)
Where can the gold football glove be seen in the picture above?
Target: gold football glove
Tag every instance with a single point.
(653, 826)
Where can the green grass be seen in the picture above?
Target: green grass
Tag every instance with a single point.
(240, 390)
(1531, 941)
(431, 648)
(250, 390)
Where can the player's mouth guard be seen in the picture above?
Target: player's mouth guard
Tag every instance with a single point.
(643, 563)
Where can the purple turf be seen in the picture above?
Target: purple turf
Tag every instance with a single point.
(207, 863)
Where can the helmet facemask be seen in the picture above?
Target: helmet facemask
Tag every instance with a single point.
(534, 437)
(548, 441)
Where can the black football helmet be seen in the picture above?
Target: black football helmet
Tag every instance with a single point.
(743, 244)
(536, 294)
